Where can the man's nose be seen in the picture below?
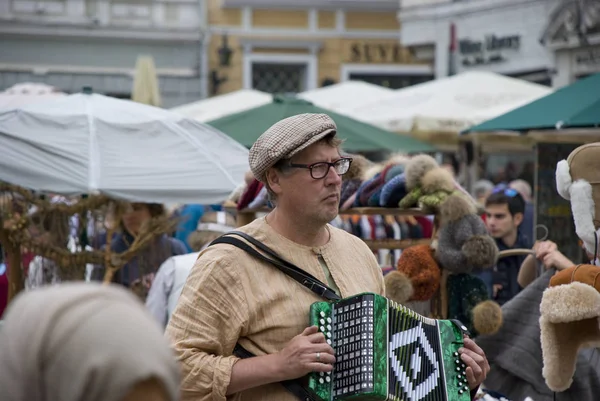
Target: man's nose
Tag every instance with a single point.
(332, 177)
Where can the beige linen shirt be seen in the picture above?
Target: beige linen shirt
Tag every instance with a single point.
(230, 296)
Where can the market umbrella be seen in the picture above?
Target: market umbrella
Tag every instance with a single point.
(26, 93)
(246, 126)
(573, 106)
(89, 143)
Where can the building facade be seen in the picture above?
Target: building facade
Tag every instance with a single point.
(501, 36)
(573, 36)
(75, 43)
(292, 46)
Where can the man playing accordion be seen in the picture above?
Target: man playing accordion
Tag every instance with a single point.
(234, 299)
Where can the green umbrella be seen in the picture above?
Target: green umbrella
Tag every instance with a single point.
(246, 126)
(574, 106)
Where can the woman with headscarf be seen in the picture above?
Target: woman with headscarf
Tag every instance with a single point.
(84, 342)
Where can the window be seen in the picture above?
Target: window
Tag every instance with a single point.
(279, 78)
(392, 81)
(389, 76)
(280, 72)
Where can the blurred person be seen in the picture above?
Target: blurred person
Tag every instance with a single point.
(233, 301)
(481, 190)
(172, 274)
(84, 342)
(504, 210)
(524, 189)
(138, 273)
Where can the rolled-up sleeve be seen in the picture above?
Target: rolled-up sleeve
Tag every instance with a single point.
(205, 326)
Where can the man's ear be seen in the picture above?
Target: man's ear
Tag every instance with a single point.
(518, 218)
(273, 180)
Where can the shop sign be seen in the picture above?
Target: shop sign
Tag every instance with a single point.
(490, 50)
(376, 53)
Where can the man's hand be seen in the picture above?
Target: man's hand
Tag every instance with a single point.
(543, 248)
(307, 352)
(558, 260)
(477, 364)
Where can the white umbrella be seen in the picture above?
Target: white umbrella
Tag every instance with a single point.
(223, 105)
(26, 93)
(89, 143)
(448, 104)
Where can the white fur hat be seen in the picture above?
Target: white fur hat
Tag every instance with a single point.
(578, 180)
(570, 307)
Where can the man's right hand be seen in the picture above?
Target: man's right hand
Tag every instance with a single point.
(543, 248)
(307, 352)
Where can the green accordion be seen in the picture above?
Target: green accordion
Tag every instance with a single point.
(385, 351)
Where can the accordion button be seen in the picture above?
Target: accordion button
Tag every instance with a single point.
(329, 335)
(329, 341)
(458, 369)
(328, 327)
(327, 379)
(322, 314)
(322, 321)
(322, 328)
(321, 381)
(460, 391)
(456, 354)
(328, 320)
(457, 361)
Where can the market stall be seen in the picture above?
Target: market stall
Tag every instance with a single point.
(552, 127)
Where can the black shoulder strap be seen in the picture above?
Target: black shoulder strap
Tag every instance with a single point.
(301, 276)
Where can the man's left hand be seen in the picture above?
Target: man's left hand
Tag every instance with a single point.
(477, 364)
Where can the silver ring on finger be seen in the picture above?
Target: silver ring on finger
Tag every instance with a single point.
(318, 356)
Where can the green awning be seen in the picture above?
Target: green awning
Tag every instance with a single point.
(574, 106)
(246, 126)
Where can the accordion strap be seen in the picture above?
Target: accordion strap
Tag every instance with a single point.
(306, 279)
(301, 276)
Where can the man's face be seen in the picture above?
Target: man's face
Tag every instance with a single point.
(500, 222)
(316, 200)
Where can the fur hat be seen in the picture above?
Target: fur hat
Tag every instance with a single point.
(417, 277)
(569, 320)
(578, 180)
(570, 307)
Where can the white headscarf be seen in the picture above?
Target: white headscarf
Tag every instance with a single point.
(81, 341)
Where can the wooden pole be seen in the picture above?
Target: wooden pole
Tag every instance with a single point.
(13, 257)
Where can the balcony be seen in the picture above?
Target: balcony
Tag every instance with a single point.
(370, 5)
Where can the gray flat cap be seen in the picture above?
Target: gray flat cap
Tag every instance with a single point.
(287, 137)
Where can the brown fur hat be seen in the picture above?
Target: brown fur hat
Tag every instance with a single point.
(569, 321)
(578, 180)
(419, 265)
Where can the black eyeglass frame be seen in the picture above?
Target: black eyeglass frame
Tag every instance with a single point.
(310, 167)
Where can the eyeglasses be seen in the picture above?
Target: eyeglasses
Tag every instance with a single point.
(321, 169)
